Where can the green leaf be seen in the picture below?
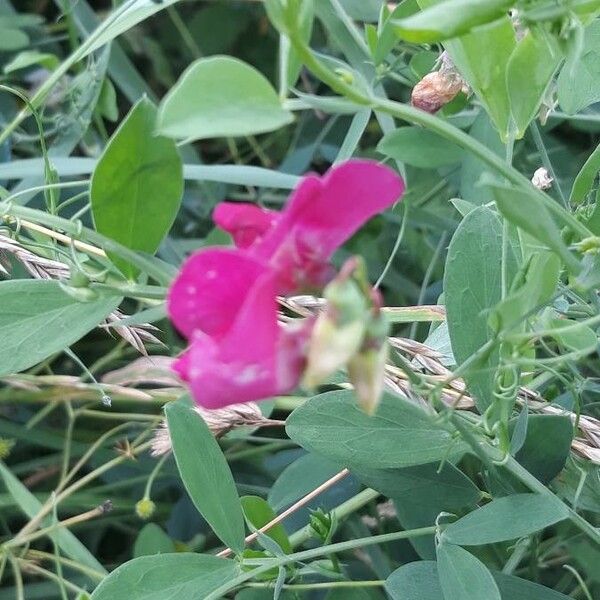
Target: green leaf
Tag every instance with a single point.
(449, 19)
(473, 168)
(167, 577)
(585, 178)
(580, 338)
(520, 206)
(421, 493)
(463, 576)
(258, 513)
(579, 80)
(546, 446)
(427, 484)
(293, 66)
(31, 506)
(12, 39)
(506, 519)
(529, 73)
(538, 287)
(38, 319)
(300, 478)
(137, 185)
(515, 588)
(152, 540)
(420, 581)
(472, 287)
(415, 581)
(28, 58)
(419, 147)
(399, 434)
(205, 474)
(221, 96)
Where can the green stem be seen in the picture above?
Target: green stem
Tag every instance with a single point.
(281, 561)
(328, 585)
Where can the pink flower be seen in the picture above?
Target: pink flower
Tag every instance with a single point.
(225, 303)
(321, 215)
(245, 222)
(224, 300)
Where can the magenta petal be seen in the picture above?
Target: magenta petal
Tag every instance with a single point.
(241, 366)
(244, 222)
(210, 290)
(322, 214)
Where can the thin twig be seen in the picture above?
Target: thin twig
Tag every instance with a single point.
(292, 509)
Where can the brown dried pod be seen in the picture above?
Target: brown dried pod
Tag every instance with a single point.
(435, 90)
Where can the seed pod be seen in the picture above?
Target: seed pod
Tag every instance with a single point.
(435, 90)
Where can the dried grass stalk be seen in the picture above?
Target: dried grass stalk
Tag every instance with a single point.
(40, 267)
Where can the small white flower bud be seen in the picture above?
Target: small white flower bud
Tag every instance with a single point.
(541, 179)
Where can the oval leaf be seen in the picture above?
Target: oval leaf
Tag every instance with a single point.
(152, 540)
(299, 478)
(463, 576)
(399, 434)
(420, 148)
(167, 577)
(420, 581)
(38, 319)
(472, 287)
(221, 96)
(415, 581)
(449, 19)
(258, 513)
(137, 185)
(506, 519)
(206, 474)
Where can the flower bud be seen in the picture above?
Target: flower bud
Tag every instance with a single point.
(338, 332)
(541, 179)
(323, 525)
(366, 368)
(145, 508)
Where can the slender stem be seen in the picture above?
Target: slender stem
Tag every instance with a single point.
(350, 27)
(47, 507)
(29, 566)
(405, 208)
(281, 561)
(26, 539)
(61, 237)
(20, 592)
(292, 509)
(327, 585)
(38, 555)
